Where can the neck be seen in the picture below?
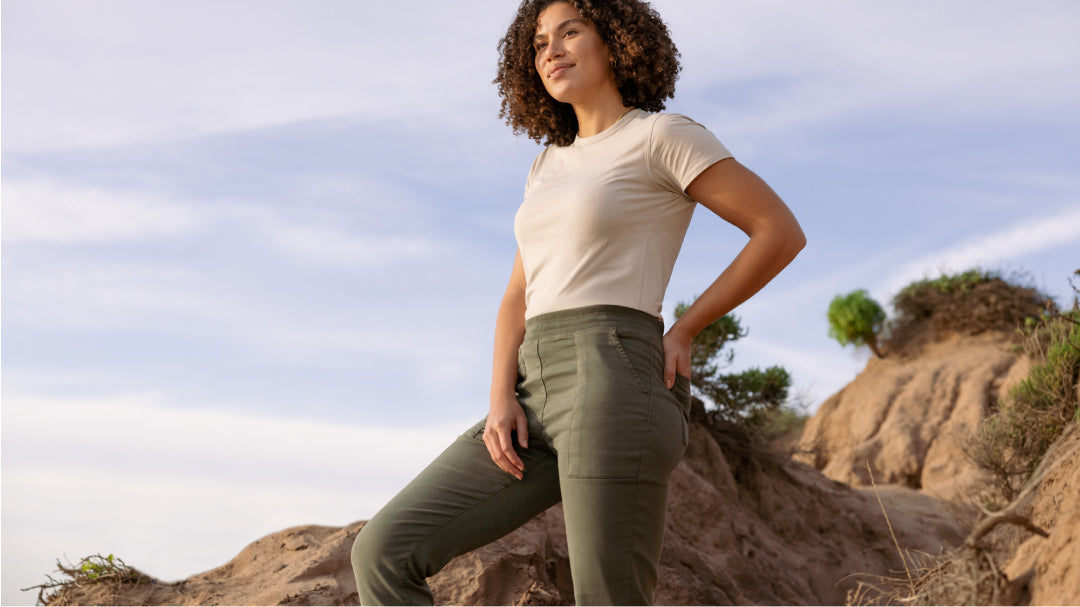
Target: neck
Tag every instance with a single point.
(594, 118)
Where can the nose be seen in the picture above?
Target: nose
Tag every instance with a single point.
(553, 50)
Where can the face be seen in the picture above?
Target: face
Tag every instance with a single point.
(571, 57)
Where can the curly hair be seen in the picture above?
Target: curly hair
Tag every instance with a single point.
(646, 66)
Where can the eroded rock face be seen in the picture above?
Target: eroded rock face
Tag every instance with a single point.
(1052, 564)
(907, 417)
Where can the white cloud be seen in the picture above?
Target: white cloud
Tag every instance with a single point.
(80, 76)
(44, 211)
(813, 64)
(324, 244)
(1009, 243)
(123, 71)
(817, 375)
(70, 292)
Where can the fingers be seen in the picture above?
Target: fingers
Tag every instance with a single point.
(499, 456)
(676, 359)
(670, 368)
(500, 445)
(523, 431)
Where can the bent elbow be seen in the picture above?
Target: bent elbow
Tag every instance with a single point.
(798, 240)
(794, 242)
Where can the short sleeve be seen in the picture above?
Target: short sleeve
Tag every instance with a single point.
(680, 150)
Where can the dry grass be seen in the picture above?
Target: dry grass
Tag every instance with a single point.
(966, 575)
(108, 572)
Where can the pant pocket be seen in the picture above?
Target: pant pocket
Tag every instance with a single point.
(612, 409)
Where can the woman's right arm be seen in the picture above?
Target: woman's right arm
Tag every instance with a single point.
(506, 414)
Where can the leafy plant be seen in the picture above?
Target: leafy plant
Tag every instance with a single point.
(1012, 440)
(856, 319)
(751, 397)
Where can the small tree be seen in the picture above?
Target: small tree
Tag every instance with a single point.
(750, 397)
(856, 319)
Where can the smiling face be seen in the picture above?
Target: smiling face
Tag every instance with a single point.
(571, 57)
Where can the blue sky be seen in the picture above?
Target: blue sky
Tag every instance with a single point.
(252, 251)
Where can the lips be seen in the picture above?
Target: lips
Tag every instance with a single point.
(558, 69)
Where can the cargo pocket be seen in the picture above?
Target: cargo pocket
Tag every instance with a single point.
(611, 412)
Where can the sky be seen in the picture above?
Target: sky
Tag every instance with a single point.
(252, 252)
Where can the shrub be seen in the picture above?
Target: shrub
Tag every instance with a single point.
(856, 319)
(1012, 440)
(749, 398)
(967, 303)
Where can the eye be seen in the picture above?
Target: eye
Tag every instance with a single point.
(541, 46)
(569, 33)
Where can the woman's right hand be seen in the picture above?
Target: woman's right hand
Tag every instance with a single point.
(506, 416)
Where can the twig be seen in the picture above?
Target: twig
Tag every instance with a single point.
(911, 581)
(1006, 516)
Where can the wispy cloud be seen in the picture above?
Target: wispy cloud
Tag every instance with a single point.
(813, 65)
(999, 246)
(40, 211)
(150, 71)
(817, 374)
(325, 244)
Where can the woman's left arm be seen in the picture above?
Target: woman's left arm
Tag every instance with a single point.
(740, 197)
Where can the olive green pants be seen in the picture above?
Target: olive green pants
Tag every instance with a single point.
(604, 435)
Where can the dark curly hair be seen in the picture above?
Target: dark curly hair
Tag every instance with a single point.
(646, 66)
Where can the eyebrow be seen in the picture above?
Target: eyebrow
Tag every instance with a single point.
(539, 37)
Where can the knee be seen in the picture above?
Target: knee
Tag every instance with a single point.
(385, 565)
(369, 552)
(385, 550)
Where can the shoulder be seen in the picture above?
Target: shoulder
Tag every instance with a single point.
(675, 125)
(680, 149)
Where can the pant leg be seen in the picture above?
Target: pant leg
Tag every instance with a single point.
(624, 435)
(458, 503)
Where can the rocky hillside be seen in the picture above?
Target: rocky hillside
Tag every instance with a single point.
(748, 528)
(907, 419)
(908, 416)
(741, 529)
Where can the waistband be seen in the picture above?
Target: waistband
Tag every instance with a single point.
(575, 319)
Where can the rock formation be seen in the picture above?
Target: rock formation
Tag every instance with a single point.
(757, 531)
(747, 528)
(908, 416)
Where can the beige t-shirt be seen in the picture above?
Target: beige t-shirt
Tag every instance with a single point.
(604, 218)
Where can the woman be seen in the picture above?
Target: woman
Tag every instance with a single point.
(589, 397)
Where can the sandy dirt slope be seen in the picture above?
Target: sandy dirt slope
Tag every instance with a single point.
(745, 533)
(747, 529)
(907, 416)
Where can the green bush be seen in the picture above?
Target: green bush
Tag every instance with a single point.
(749, 398)
(856, 319)
(1012, 440)
(967, 303)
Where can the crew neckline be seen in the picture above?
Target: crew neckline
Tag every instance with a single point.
(611, 130)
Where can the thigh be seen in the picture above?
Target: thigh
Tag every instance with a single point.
(460, 502)
(627, 434)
